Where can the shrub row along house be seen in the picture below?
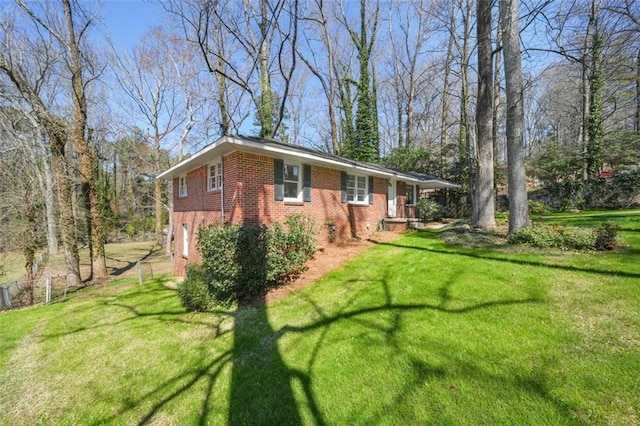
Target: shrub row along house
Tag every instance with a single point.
(240, 179)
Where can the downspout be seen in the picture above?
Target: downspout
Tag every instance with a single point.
(222, 190)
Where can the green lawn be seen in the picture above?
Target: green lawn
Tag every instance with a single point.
(11, 266)
(413, 331)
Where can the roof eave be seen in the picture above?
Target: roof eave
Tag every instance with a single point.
(234, 143)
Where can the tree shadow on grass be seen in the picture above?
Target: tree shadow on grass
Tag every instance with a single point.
(265, 389)
(476, 254)
(130, 265)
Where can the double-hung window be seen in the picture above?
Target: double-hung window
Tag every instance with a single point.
(411, 198)
(357, 189)
(214, 175)
(182, 186)
(292, 181)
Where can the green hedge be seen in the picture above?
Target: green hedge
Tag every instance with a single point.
(240, 262)
(568, 238)
(193, 291)
(621, 191)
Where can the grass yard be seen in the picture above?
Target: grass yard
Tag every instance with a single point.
(11, 266)
(413, 331)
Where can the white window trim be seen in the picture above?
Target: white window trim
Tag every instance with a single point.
(217, 181)
(366, 189)
(185, 240)
(182, 189)
(414, 195)
(300, 177)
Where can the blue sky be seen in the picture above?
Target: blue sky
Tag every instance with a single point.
(128, 20)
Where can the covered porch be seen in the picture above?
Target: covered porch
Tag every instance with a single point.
(402, 197)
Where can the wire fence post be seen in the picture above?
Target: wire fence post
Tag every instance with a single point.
(139, 273)
(5, 298)
(47, 291)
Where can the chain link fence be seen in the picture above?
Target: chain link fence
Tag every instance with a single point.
(20, 292)
(51, 289)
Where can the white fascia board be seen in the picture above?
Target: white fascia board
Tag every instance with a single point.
(192, 162)
(237, 144)
(437, 184)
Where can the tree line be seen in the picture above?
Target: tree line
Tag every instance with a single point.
(546, 90)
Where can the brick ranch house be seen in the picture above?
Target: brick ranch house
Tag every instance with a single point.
(240, 179)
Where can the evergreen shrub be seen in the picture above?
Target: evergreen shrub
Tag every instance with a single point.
(538, 207)
(193, 291)
(606, 236)
(568, 238)
(428, 209)
(240, 262)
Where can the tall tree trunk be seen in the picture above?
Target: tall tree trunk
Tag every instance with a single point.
(444, 124)
(484, 120)
(498, 153)
(265, 108)
(40, 153)
(30, 244)
(466, 149)
(367, 147)
(411, 100)
(497, 71)
(399, 110)
(67, 221)
(637, 123)
(225, 122)
(86, 160)
(518, 208)
(157, 189)
(594, 123)
(49, 202)
(583, 135)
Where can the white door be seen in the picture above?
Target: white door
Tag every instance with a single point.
(391, 199)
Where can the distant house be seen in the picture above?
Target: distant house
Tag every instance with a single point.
(240, 179)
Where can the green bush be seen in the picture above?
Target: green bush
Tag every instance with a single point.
(301, 236)
(576, 239)
(537, 207)
(428, 209)
(193, 291)
(620, 191)
(240, 262)
(218, 246)
(557, 236)
(606, 236)
(568, 238)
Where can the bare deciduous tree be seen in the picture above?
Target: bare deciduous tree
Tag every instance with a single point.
(30, 62)
(483, 213)
(518, 207)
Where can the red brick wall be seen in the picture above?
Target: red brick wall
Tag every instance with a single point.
(249, 196)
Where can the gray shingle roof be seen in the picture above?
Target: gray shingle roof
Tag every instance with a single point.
(424, 181)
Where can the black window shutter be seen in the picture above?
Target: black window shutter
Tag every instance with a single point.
(370, 189)
(343, 186)
(279, 179)
(306, 178)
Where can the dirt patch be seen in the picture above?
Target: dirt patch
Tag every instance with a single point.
(327, 259)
